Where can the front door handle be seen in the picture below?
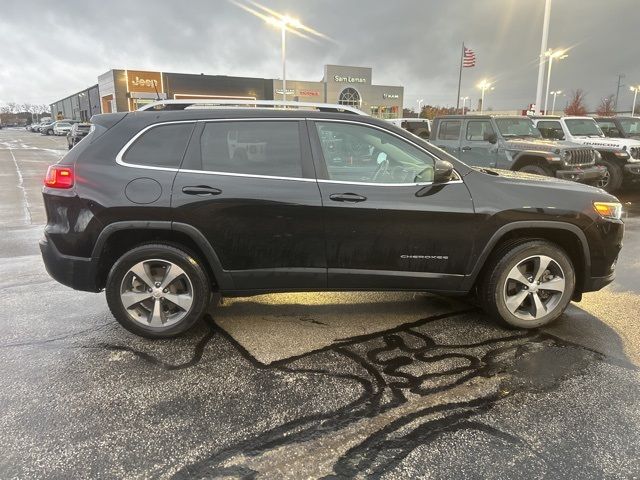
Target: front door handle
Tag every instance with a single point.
(201, 190)
(466, 149)
(347, 197)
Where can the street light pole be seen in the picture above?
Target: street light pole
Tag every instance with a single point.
(464, 102)
(284, 61)
(553, 105)
(483, 85)
(543, 49)
(635, 96)
(559, 54)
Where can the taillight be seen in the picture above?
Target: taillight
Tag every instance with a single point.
(59, 177)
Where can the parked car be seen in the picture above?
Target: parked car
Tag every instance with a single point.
(619, 127)
(78, 132)
(418, 126)
(154, 209)
(47, 128)
(513, 143)
(621, 156)
(61, 128)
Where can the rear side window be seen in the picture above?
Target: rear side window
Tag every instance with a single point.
(252, 147)
(161, 146)
(449, 130)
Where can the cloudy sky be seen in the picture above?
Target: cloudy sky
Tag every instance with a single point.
(52, 49)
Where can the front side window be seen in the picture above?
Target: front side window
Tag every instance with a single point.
(479, 130)
(358, 153)
(551, 129)
(583, 127)
(268, 148)
(449, 130)
(161, 146)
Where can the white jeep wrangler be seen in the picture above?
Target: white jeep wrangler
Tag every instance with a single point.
(621, 156)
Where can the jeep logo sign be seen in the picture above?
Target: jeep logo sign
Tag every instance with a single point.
(143, 82)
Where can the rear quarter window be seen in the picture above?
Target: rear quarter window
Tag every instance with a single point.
(160, 146)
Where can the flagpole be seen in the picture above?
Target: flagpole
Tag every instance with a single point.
(460, 78)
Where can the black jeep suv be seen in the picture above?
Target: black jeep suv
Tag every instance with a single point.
(162, 209)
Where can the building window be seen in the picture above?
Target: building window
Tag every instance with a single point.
(349, 96)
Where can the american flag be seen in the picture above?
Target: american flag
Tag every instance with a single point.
(469, 58)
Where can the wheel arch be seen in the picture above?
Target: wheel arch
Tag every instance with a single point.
(568, 236)
(119, 237)
(530, 158)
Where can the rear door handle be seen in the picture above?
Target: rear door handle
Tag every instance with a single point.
(347, 197)
(201, 190)
(466, 149)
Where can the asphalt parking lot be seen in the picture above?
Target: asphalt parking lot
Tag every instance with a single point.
(387, 385)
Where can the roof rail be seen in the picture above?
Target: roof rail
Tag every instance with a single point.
(227, 103)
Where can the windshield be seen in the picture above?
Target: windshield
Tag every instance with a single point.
(517, 127)
(631, 126)
(583, 127)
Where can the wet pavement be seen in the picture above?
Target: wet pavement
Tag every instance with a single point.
(383, 385)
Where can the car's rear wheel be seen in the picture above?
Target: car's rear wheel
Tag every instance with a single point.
(536, 169)
(528, 285)
(157, 291)
(612, 179)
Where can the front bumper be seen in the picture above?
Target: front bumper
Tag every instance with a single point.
(78, 273)
(632, 168)
(583, 175)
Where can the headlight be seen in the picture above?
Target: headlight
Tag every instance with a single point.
(596, 155)
(635, 153)
(612, 210)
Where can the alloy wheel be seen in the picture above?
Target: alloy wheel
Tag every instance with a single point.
(604, 181)
(534, 287)
(156, 293)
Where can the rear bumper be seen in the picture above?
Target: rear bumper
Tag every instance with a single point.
(583, 175)
(75, 272)
(593, 284)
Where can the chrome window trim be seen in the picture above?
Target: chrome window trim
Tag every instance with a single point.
(458, 180)
(123, 150)
(247, 175)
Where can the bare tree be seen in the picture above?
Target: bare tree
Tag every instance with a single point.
(607, 106)
(576, 104)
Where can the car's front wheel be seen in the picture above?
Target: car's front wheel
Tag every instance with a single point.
(157, 290)
(528, 285)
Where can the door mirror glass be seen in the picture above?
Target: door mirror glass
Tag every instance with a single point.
(443, 172)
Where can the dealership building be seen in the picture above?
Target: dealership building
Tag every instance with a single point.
(128, 90)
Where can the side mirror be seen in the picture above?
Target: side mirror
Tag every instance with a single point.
(491, 138)
(442, 171)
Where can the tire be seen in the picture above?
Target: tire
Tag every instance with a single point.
(499, 292)
(48, 132)
(154, 314)
(612, 181)
(536, 169)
